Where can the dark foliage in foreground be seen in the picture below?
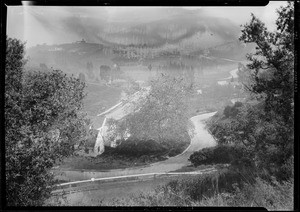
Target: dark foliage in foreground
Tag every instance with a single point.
(264, 125)
(222, 154)
(42, 121)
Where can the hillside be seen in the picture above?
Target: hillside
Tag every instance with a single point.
(174, 32)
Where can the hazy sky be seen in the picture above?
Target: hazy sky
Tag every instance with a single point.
(38, 25)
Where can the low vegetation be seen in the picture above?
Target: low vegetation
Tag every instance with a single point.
(226, 189)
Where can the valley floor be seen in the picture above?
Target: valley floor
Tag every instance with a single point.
(199, 140)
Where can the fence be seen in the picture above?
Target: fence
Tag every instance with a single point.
(126, 178)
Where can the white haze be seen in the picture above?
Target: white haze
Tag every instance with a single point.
(54, 25)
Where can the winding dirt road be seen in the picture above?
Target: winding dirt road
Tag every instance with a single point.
(200, 139)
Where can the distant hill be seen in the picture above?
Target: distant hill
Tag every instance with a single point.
(171, 26)
(170, 32)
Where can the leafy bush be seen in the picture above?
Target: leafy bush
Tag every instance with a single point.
(175, 151)
(232, 111)
(207, 185)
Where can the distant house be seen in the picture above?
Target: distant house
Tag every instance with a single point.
(228, 82)
(117, 112)
(223, 82)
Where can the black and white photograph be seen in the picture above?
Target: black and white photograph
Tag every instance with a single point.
(189, 106)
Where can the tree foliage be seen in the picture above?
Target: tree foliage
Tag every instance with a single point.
(221, 154)
(163, 114)
(105, 73)
(42, 123)
(272, 65)
(265, 124)
(232, 111)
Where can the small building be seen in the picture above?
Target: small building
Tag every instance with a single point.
(106, 135)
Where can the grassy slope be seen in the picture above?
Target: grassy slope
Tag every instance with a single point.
(203, 191)
(100, 98)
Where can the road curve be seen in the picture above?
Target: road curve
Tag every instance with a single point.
(201, 138)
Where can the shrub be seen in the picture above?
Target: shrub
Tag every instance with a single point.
(232, 111)
(207, 185)
(270, 195)
(174, 152)
(221, 154)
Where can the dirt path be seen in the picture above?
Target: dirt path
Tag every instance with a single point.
(199, 140)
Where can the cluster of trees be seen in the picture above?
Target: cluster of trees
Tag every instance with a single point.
(232, 111)
(43, 122)
(221, 154)
(134, 52)
(106, 73)
(162, 115)
(178, 69)
(109, 74)
(264, 125)
(146, 51)
(90, 70)
(177, 66)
